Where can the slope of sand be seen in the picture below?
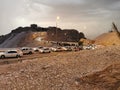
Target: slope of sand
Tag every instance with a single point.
(110, 38)
(65, 71)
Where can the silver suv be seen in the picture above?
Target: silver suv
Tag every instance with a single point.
(27, 50)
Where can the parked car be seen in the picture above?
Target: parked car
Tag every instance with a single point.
(67, 48)
(40, 47)
(27, 50)
(11, 53)
(44, 50)
(35, 49)
(56, 49)
(76, 48)
(89, 47)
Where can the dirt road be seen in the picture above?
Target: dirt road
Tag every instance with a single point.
(27, 57)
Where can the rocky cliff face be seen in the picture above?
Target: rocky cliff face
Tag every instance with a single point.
(34, 35)
(66, 35)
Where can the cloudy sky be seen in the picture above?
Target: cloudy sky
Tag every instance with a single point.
(92, 17)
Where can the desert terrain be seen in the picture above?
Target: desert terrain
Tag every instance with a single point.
(60, 45)
(97, 69)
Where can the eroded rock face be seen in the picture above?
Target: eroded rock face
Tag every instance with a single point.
(66, 35)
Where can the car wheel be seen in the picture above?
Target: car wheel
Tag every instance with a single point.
(2, 56)
(30, 52)
(17, 56)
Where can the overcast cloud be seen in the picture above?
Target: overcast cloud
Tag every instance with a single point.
(92, 17)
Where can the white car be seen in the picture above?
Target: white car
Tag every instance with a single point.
(35, 49)
(40, 47)
(56, 49)
(27, 50)
(67, 48)
(89, 47)
(44, 50)
(11, 53)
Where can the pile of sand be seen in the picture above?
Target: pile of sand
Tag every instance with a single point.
(106, 39)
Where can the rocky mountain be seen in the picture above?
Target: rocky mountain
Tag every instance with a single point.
(66, 35)
(35, 35)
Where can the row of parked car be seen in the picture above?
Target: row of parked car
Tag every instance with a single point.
(19, 52)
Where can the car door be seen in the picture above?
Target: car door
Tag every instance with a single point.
(8, 54)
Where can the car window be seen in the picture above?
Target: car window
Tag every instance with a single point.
(12, 52)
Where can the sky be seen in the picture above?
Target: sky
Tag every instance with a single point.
(92, 17)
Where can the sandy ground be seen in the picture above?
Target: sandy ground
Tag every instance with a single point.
(63, 71)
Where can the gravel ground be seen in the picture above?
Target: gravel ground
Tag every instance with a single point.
(57, 72)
